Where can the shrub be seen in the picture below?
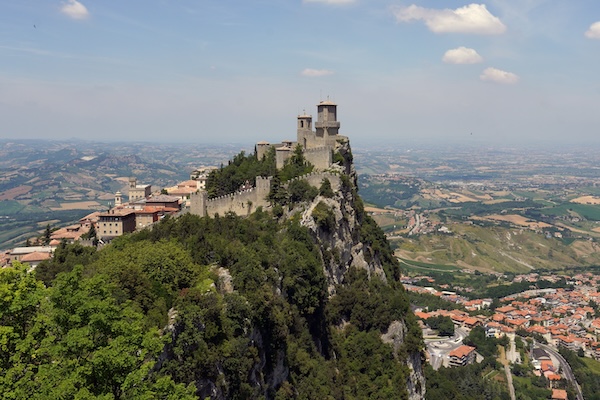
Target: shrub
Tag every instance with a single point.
(325, 189)
(324, 217)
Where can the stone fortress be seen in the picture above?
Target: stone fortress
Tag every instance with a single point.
(318, 147)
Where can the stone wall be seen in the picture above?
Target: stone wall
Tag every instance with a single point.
(245, 202)
(315, 179)
(240, 203)
(320, 157)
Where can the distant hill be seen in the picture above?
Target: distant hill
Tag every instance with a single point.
(497, 248)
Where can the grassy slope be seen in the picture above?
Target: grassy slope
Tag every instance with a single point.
(496, 248)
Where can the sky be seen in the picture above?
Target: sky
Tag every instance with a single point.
(498, 71)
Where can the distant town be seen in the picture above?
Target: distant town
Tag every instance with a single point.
(142, 209)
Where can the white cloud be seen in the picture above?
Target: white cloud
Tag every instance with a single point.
(498, 76)
(594, 31)
(330, 2)
(462, 55)
(74, 9)
(473, 18)
(313, 73)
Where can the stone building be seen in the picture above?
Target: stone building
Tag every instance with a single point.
(317, 145)
(138, 192)
(115, 223)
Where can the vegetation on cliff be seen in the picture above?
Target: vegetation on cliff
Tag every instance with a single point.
(223, 307)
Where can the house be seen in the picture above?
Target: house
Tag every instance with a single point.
(115, 223)
(567, 342)
(163, 201)
(33, 259)
(138, 192)
(146, 217)
(201, 174)
(19, 252)
(471, 323)
(493, 329)
(4, 258)
(559, 394)
(70, 234)
(461, 356)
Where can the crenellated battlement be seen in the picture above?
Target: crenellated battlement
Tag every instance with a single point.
(244, 202)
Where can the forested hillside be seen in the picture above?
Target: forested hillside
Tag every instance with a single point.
(276, 305)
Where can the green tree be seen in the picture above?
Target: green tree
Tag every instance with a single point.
(295, 166)
(20, 298)
(47, 235)
(442, 324)
(92, 346)
(325, 189)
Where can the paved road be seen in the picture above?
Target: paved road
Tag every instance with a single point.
(565, 367)
(440, 348)
(509, 380)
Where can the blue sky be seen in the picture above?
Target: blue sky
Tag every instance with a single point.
(240, 71)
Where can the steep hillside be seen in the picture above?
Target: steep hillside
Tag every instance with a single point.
(301, 301)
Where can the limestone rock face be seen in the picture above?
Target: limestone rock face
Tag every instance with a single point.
(340, 244)
(342, 248)
(415, 384)
(335, 223)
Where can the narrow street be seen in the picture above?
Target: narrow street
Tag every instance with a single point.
(511, 388)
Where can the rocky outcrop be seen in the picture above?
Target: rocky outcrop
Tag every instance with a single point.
(415, 383)
(340, 244)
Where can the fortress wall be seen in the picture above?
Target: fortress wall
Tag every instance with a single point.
(236, 203)
(315, 179)
(320, 157)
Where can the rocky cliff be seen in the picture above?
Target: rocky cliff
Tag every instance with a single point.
(344, 245)
(314, 291)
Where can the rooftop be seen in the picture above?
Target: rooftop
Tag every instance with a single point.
(462, 351)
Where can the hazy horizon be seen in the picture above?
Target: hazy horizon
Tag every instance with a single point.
(521, 71)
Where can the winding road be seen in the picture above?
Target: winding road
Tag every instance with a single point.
(565, 367)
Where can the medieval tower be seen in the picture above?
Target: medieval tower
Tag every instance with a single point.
(317, 145)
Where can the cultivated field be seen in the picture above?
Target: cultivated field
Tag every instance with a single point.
(518, 220)
(78, 205)
(13, 193)
(587, 200)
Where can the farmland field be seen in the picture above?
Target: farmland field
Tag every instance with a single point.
(587, 211)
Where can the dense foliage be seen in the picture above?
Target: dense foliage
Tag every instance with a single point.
(89, 323)
(243, 168)
(486, 346)
(225, 307)
(442, 324)
(465, 383)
